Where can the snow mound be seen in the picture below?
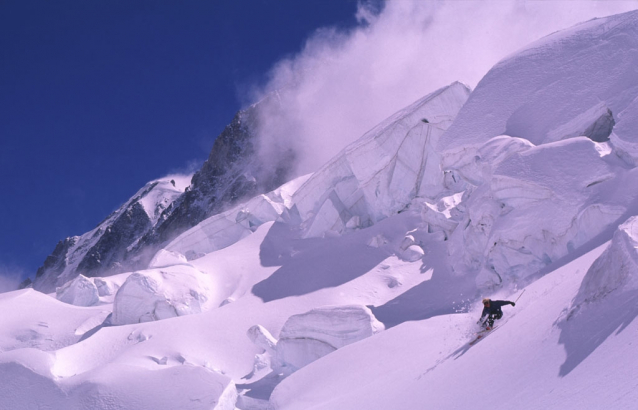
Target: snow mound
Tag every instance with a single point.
(35, 320)
(80, 291)
(165, 258)
(161, 294)
(309, 336)
(380, 174)
(616, 269)
(115, 387)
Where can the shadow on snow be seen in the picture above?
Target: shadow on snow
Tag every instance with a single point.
(586, 329)
(308, 265)
(443, 294)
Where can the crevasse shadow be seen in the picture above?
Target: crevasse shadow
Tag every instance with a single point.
(443, 294)
(592, 324)
(262, 388)
(308, 265)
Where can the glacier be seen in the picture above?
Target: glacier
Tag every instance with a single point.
(358, 285)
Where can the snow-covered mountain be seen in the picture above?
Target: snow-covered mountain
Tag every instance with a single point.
(129, 237)
(358, 286)
(101, 251)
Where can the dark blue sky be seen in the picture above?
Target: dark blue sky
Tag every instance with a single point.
(99, 97)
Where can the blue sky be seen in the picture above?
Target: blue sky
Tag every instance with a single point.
(99, 97)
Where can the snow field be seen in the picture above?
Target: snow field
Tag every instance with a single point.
(522, 365)
(215, 340)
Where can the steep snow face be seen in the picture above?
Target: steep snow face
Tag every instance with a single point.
(158, 199)
(616, 270)
(533, 205)
(383, 171)
(575, 82)
(101, 251)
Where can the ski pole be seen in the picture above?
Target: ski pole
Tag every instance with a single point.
(519, 296)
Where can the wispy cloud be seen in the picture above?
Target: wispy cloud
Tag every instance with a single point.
(10, 277)
(344, 82)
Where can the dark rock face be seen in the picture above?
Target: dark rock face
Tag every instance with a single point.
(97, 253)
(231, 173)
(27, 283)
(128, 239)
(55, 263)
(106, 255)
(601, 129)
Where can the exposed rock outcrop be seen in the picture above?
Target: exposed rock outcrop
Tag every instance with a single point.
(163, 209)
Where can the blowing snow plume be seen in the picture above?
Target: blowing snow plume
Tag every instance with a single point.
(10, 277)
(344, 82)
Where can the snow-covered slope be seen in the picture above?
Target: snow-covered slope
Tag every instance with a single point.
(538, 359)
(575, 82)
(358, 286)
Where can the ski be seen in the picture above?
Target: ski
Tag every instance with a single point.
(481, 334)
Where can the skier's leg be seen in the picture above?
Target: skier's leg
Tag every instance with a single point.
(490, 321)
(498, 315)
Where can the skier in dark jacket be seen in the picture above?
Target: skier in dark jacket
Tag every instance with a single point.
(492, 309)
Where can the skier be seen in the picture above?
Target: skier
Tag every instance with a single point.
(492, 309)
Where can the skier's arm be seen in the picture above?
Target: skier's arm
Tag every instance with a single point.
(498, 303)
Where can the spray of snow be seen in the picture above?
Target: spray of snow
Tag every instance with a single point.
(10, 277)
(342, 83)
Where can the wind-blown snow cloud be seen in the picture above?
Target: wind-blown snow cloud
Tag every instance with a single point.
(345, 82)
(10, 277)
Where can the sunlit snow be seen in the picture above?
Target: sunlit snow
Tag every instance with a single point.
(359, 286)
